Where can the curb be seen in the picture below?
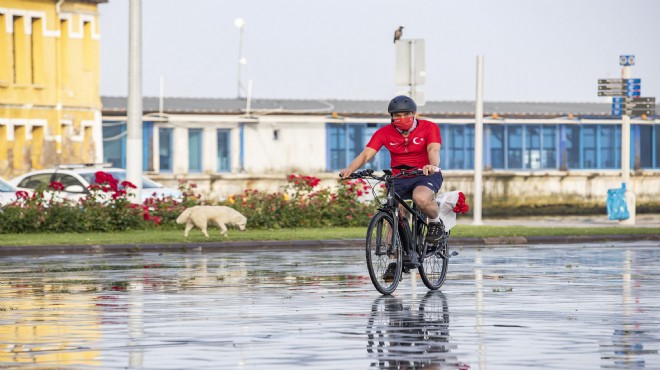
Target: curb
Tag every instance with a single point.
(40, 250)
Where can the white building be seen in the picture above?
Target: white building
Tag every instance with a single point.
(532, 151)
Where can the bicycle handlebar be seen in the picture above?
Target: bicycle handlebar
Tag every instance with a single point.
(369, 173)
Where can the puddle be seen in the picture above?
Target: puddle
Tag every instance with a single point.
(501, 308)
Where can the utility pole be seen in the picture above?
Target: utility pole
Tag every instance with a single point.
(478, 142)
(134, 110)
(240, 24)
(625, 151)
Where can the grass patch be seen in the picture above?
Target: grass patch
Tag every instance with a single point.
(176, 236)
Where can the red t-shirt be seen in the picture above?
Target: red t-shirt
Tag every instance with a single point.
(411, 150)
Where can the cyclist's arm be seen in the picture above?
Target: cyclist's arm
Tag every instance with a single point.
(433, 151)
(362, 158)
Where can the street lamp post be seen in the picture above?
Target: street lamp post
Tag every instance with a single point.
(240, 24)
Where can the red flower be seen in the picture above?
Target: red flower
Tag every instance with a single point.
(101, 177)
(56, 185)
(22, 194)
(128, 184)
(461, 206)
(156, 220)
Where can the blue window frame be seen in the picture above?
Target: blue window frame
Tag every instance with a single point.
(522, 146)
(147, 146)
(655, 146)
(550, 143)
(114, 143)
(532, 149)
(457, 152)
(195, 150)
(497, 146)
(224, 160)
(344, 142)
(165, 149)
(646, 142)
(609, 147)
(514, 143)
(336, 137)
(571, 139)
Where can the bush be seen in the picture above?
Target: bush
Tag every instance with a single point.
(301, 205)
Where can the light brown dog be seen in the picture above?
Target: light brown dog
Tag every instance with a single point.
(199, 216)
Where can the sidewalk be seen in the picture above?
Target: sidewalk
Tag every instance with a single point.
(643, 220)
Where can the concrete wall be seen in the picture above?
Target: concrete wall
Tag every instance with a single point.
(532, 188)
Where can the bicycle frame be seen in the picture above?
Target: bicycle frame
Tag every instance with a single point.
(410, 236)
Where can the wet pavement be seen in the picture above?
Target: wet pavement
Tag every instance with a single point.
(546, 307)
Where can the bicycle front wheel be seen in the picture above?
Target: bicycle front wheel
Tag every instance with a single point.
(433, 269)
(384, 258)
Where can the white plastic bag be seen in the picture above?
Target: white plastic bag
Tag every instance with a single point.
(447, 201)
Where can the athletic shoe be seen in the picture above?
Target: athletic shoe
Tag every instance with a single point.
(434, 232)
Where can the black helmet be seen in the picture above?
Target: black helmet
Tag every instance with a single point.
(401, 103)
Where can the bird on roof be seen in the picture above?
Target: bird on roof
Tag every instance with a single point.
(398, 33)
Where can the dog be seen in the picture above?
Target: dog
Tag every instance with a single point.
(200, 216)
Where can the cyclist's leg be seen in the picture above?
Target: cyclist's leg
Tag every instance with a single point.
(424, 197)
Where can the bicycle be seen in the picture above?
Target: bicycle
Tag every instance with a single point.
(401, 243)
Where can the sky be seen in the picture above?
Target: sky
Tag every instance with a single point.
(534, 50)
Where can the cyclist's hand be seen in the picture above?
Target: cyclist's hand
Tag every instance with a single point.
(430, 169)
(345, 173)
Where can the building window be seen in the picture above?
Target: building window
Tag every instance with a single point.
(496, 146)
(347, 141)
(609, 157)
(549, 145)
(165, 149)
(656, 146)
(114, 143)
(457, 150)
(514, 142)
(532, 150)
(147, 146)
(336, 135)
(37, 48)
(64, 51)
(646, 145)
(21, 54)
(589, 136)
(5, 49)
(88, 50)
(195, 150)
(224, 163)
(572, 144)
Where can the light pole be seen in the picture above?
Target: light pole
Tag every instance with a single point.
(134, 109)
(240, 24)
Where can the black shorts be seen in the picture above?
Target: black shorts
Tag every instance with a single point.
(405, 186)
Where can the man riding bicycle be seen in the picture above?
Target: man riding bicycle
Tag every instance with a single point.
(415, 143)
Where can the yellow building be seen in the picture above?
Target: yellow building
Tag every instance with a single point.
(50, 106)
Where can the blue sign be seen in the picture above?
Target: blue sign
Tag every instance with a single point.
(633, 81)
(633, 87)
(633, 93)
(617, 99)
(627, 60)
(618, 106)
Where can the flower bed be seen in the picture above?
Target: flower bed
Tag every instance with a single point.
(109, 208)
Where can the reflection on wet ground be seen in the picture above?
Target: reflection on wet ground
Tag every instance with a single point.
(561, 307)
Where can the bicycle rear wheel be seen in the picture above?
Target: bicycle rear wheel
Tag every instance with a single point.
(433, 269)
(384, 258)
